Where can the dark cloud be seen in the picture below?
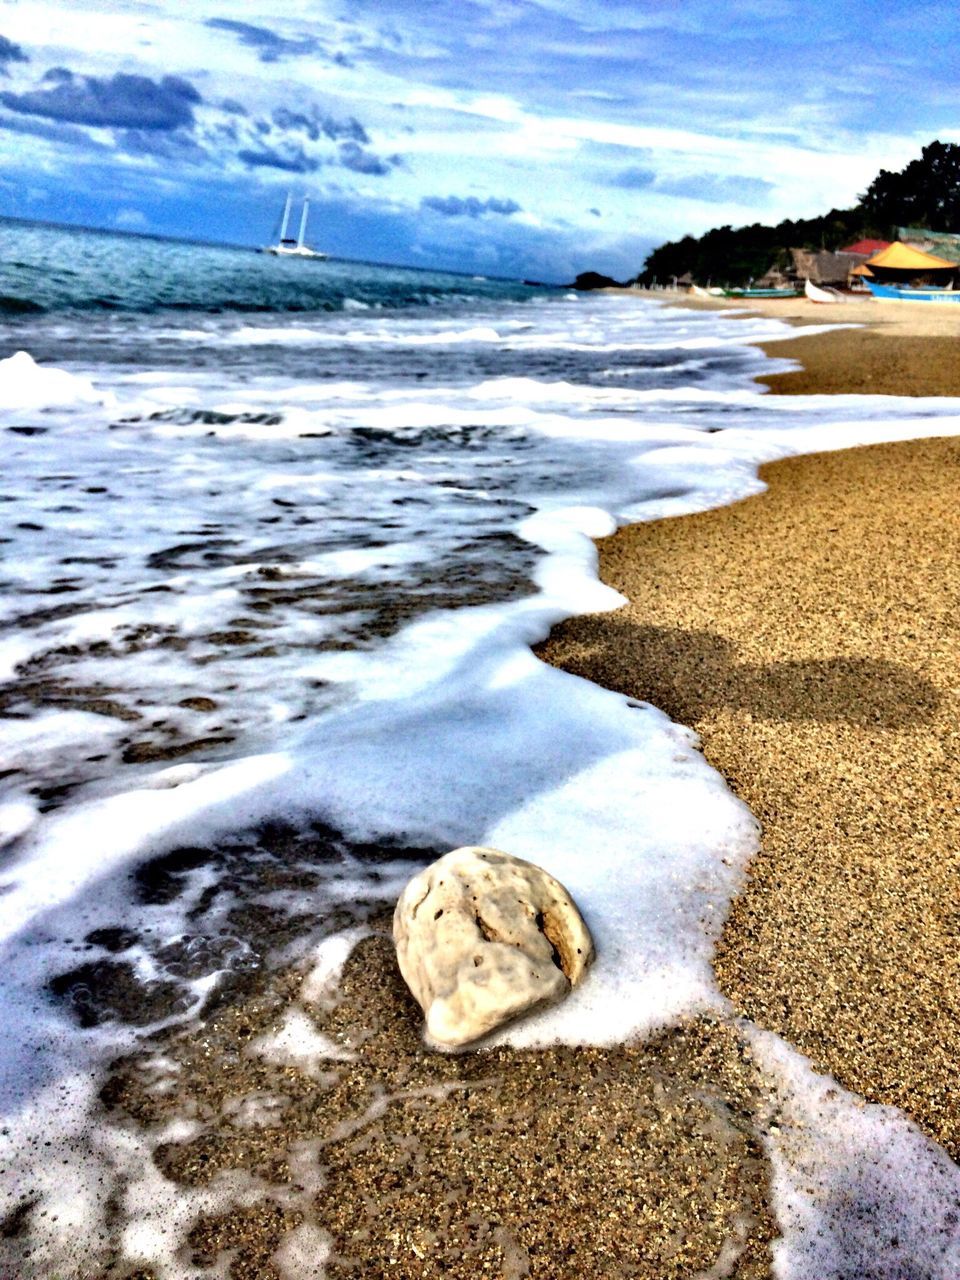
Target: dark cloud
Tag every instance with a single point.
(349, 130)
(634, 179)
(234, 107)
(735, 188)
(180, 146)
(122, 101)
(225, 132)
(269, 46)
(315, 124)
(469, 206)
(62, 133)
(57, 75)
(10, 52)
(596, 212)
(289, 159)
(355, 157)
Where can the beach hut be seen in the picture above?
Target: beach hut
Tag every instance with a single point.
(900, 264)
(823, 266)
(773, 278)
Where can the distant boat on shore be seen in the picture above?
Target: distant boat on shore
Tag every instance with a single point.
(760, 293)
(911, 293)
(286, 246)
(816, 294)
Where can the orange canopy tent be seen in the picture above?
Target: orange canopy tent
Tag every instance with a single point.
(899, 264)
(900, 257)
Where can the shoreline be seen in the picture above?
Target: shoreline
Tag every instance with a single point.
(806, 635)
(650, 1158)
(902, 349)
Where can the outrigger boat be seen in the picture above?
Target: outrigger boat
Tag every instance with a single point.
(912, 293)
(816, 294)
(759, 293)
(893, 270)
(287, 247)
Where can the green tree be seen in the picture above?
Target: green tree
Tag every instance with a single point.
(925, 193)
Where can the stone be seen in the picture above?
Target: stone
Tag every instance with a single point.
(483, 938)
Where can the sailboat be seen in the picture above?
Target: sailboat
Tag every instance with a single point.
(286, 247)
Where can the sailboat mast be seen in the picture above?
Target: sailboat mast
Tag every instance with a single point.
(286, 218)
(303, 223)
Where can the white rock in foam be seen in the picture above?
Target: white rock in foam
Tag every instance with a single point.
(484, 937)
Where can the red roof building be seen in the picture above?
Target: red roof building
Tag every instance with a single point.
(869, 247)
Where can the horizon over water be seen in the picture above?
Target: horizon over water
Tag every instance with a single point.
(279, 536)
(130, 233)
(50, 267)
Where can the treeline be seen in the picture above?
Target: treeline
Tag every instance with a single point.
(926, 193)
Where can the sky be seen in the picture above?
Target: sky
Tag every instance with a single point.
(527, 138)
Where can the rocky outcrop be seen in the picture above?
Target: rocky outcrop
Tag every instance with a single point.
(587, 280)
(482, 938)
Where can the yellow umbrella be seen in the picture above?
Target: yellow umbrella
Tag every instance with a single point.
(900, 257)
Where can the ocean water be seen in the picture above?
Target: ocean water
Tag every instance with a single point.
(277, 539)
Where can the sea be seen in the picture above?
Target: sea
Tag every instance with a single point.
(277, 539)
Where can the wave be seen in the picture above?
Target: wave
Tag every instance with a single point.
(12, 306)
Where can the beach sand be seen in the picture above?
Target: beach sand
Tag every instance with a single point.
(902, 349)
(809, 636)
(642, 1160)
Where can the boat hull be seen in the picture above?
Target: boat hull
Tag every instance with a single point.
(816, 294)
(279, 251)
(899, 293)
(759, 293)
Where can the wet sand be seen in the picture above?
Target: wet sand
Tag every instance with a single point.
(810, 636)
(642, 1160)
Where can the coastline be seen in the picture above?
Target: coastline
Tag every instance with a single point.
(806, 635)
(651, 1158)
(903, 349)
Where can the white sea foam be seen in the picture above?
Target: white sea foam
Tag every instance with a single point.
(205, 569)
(25, 385)
(859, 1191)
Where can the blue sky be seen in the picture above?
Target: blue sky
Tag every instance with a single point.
(535, 138)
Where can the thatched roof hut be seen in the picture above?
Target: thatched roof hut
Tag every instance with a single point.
(773, 278)
(823, 267)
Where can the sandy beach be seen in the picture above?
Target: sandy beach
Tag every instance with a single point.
(901, 349)
(809, 635)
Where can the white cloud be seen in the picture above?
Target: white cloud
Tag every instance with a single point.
(542, 102)
(131, 220)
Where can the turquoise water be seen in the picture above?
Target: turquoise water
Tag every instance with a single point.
(44, 268)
